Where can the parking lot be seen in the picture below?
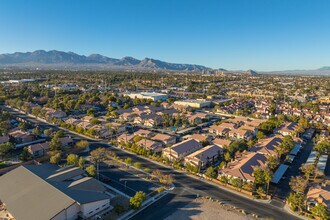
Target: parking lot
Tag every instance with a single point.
(283, 188)
(128, 181)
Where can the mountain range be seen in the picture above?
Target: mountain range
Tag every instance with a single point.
(59, 60)
(68, 60)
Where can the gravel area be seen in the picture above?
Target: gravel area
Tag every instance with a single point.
(205, 209)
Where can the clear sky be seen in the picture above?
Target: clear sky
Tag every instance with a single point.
(231, 34)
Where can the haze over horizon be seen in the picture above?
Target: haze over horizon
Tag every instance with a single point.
(256, 34)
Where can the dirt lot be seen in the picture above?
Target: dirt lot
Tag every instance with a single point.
(205, 209)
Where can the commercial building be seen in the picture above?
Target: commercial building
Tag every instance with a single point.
(148, 95)
(194, 103)
(50, 192)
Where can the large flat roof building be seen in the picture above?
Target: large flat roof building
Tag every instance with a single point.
(194, 103)
(148, 95)
(50, 192)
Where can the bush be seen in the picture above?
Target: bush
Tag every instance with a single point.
(128, 160)
(147, 170)
(160, 189)
(137, 200)
(91, 170)
(137, 165)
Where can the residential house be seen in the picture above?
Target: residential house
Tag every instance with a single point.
(180, 150)
(125, 138)
(194, 119)
(143, 133)
(219, 130)
(221, 142)
(244, 166)
(165, 139)
(53, 113)
(21, 137)
(4, 139)
(39, 149)
(72, 121)
(288, 128)
(201, 138)
(267, 146)
(66, 141)
(240, 134)
(85, 124)
(204, 157)
(154, 146)
(318, 194)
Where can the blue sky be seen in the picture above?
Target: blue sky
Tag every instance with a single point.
(231, 34)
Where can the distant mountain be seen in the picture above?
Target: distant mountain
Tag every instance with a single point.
(68, 60)
(325, 68)
(251, 72)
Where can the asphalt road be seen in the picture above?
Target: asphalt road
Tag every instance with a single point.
(187, 188)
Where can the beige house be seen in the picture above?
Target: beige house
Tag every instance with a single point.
(318, 194)
(38, 150)
(218, 130)
(180, 150)
(165, 139)
(240, 134)
(154, 146)
(288, 128)
(221, 142)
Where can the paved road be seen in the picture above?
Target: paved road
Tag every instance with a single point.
(187, 188)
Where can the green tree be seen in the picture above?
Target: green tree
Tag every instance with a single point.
(95, 121)
(128, 160)
(227, 157)
(273, 162)
(36, 131)
(91, 170)
(55, 144)
(319, 210)
(25, 155)
(59, 134)
(48, 132)
(55, 159)
(211, 172)
(91, 112)
(323, 147)
(237, 182)
(298, 184)
(72, 159)
(297, 201)
(23, 126)
(137, 200)
(81, 162)
(307, 169)
(137, 165)
(260, 135)
(82, 144)
(5, 148)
